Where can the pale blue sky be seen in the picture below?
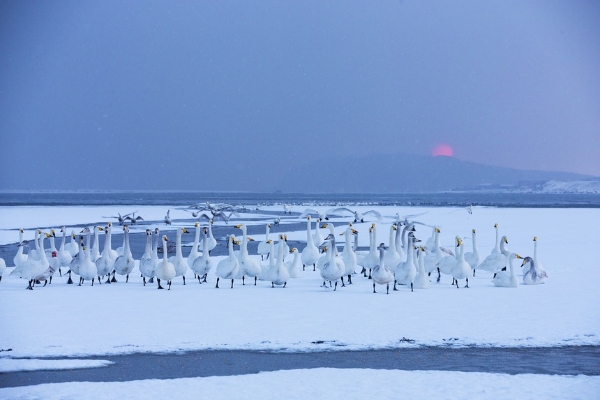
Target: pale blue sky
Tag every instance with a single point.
(127, 94)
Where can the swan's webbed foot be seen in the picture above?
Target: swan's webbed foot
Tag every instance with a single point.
(151, 280)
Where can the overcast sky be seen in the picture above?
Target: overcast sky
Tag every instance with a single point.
(128, 94)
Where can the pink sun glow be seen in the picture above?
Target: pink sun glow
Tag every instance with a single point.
(442, 149)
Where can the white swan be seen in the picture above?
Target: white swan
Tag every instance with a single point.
(147, 265)
(294, 265)
(492, 258)
(317, 237)
(155, 258)
(371, 259)
(20, 257)
(400, 239)
(348, 255)
(269, 265)
(95, 249)
(333, 268)
(64, 257)
(105, 263)
(228, 267)
(507, 278)
(52, 255)
(533, 272)
(247, 266)
(194, 253)
(422, 279)
(446, 264)
(358, 216)
(495, 261)
(177, 260)
(87, 268)
(168, 218)
(211, 241)
(263, 247)
(124, 264)
(44, 274)
(164, 270)
(310, 254)
(461, 269)
(435, 255)
(280, 274)
(391, 257)
(382, 274)
(472, 257)
(73, 246)
(76, 261)
(406, 272)
(534, 275)
(33, 268)
(536, 260)
(203, 264)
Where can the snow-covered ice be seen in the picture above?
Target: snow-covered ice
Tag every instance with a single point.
(32, 364)
(328, 383)
(125, 318)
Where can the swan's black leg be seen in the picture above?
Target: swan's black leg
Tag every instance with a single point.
(232, 283)
(388, 288)
(255, 278)
(439, 275)
(217, 284)
(374, 288)
(342, 278)
(284, 283)
(272, 285)
(334, 289)
(467, 285)
(370, 274)
(243, 280)
(127, 278)
(183, 279)
(395, 286)
(349, 279)
(169, 285)
(411, 286)
(473, 273)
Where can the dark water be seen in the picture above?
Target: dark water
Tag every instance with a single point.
(572, 360)
(188, 198)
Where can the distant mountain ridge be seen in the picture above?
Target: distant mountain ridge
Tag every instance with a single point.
(407, 173)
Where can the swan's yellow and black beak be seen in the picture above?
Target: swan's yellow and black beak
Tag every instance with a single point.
(505, 240)
(238, 226)
(394, 228)
(100, 228)
(250, 239)
(354, 231)
(518, 256)
(324, 249)
(196, 224)
(474, 230)
(495, 225)
(535, 238)
(183, 230)
(324, 226)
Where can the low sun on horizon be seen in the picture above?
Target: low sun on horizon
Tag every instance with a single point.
(442, 149)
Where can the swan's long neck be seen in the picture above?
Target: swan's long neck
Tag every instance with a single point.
(497, 239)
(309, 238)
(62, 243)
(210, 234)
(398, 238)
(410, 253)
(126, 250)
(372, 248)
(87, 248)
(510, 265)
(165, 250)
(37, 240)
(280, 253)
(437, 241)
(348, 233)
(244, 249)
(421, 261)
(96, 238)
(108, 243)
(404, 244)
(461, 252)
(52, 246)
(502, 247)
(381, 255)
(269, 230)
(231, 254)
(42, 252)
(355, 246)
(474, 243)
(535, 251)
(197, 238)
(148, 248)
(271, 252)
(178, 247)
(204, 244)
(392, 246)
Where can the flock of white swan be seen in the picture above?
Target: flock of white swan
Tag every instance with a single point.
(405, 261)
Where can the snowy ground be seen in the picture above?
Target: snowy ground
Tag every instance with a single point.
(328, 383)
(123, 318)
